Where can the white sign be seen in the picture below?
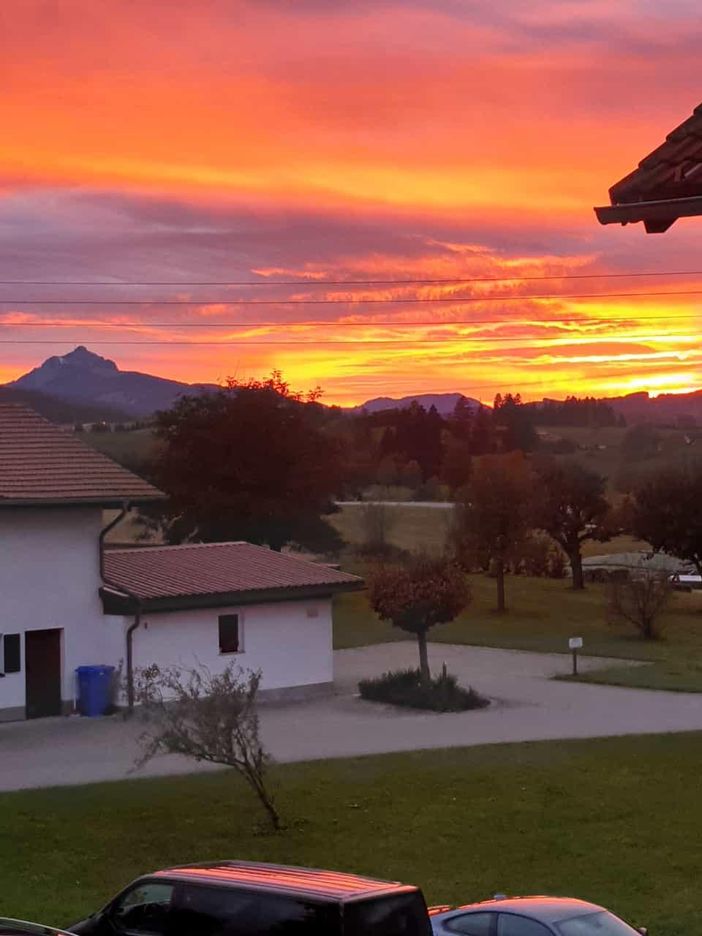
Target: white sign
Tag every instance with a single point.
(575, 643)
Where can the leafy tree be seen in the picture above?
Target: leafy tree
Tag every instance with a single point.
(513, 425)
(210, 718)
(493, 518)
(639, 599)
(666, 511)
(417, 596)
(251, 461)
(571, 507)
(456, 466)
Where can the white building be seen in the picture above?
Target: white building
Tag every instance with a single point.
(65, 603)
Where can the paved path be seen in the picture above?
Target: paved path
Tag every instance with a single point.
(437, 505)
(528, 705)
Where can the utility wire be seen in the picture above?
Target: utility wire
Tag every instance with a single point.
(356, 343)
(326, 323)
(351, 301)
(368, 282)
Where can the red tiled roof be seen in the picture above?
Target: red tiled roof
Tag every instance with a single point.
(668, 182)
(41, 463)
(165, 572)
(330, 884)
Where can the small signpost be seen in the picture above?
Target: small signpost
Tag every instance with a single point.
(575, 644)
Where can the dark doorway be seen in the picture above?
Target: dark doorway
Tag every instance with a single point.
(42, 654)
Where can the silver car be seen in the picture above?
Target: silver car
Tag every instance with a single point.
(529, 916)
(10, 927)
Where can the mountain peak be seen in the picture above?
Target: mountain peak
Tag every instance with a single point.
(81, 376)
(78, 362)
(81, 357)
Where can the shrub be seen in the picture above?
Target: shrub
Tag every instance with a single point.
(405, 687)
(377, 522)
(639, 599)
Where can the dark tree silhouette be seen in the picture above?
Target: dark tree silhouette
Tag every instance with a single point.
(251, 461)
(570, 506)
(666, 511)
(493, 518)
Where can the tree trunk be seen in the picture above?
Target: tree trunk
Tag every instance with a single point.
(256, 781)
(576, 566)
(424, 673)
(500, 569)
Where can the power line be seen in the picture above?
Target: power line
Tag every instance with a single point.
(324, 323)
(446, 339)
(369, 282)
(352, 301)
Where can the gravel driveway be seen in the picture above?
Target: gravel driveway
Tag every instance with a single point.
(527, 705)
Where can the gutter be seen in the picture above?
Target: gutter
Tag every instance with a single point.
(656, 213)
(126, 507)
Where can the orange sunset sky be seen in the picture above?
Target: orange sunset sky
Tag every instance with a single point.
(314, 142)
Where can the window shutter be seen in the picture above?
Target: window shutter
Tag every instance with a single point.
(229, 641)
(10, 655)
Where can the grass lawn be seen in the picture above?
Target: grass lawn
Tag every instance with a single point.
(543, 614)
(618, 821)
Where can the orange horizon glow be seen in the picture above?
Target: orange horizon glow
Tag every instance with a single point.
(267, 141)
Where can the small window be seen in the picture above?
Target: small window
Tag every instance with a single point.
(10, 660)
(510, 924)
(229, 633)
(471, 924)
(144, 909)
(220, 911)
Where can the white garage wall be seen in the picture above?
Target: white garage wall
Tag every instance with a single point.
(290, 642)
(49, 578)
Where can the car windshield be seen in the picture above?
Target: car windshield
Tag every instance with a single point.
(600, 923)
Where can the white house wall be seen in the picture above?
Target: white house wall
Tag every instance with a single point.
(49, 578)
(290, 642)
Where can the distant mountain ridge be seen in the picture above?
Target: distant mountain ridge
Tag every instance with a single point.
(82, 386)
(82, 377)
(445, 403)
(634, 407)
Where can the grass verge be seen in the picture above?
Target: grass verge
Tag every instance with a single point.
(542, 615)
(618, 821)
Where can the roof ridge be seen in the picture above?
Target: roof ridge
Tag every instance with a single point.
(172, 547)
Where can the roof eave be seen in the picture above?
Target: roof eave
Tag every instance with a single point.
(658, 215)
(114, 603)
(110, 502)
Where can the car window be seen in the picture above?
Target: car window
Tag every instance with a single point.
(511, 924)
(401, 915)
(143, 909)
(472, 924)
(220, 911)
(601, 923)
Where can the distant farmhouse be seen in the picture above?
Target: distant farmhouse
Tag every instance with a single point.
(66, 600)
(667, 184)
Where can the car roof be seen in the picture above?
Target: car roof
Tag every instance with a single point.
(545, 909)
(285, 879)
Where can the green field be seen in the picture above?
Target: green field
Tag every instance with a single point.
(617, 821)
(543, 614)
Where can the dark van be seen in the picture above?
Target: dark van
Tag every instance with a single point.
(236, 898)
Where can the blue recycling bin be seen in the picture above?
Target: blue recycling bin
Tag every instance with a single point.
(94, 689)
